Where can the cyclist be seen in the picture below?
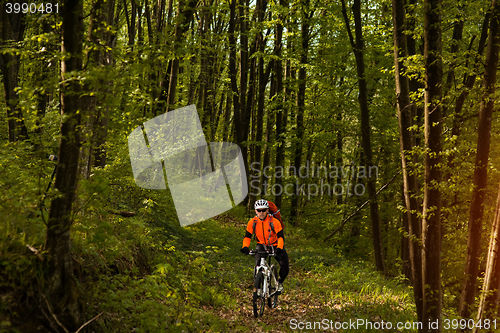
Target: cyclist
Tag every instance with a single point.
(268, 231)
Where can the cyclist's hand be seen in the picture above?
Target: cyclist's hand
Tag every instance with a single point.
(245, 250)
(279, 251)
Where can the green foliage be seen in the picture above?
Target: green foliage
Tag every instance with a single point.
(144, 272)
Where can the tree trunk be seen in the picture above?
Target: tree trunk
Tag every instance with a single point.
(456, 39)
(185, 13)
(358, 49)
(45, 70)
(407, 143)
(131, 31)
(243, 116)
(93, 152)
(249, 109)
(278, 77)
(269, 138)
(62, 287)
(481, 167)
(262, 78)
(431, 222)
(241, 112)
(468, 83)
(339, 160)
(415, 83)
(490, 296)
(12, 28)
(301, 97)
(233, 72)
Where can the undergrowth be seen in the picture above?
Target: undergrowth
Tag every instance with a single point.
(139, 271)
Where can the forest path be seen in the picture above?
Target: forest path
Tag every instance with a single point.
(322, 288)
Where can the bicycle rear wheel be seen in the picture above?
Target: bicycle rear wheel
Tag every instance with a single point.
(258, 296)
(272, 301)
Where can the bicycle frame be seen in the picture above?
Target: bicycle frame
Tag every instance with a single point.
(266, 268)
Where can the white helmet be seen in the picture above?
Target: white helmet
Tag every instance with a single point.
(259, 204)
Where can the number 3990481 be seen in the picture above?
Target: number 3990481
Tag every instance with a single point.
(31, 8)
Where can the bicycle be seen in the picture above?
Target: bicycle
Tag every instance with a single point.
(265, 283)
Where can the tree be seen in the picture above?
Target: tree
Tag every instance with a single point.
(262, 76)
(490, 295)
(431, 220)
(306, 15)
(241, 102)
(62, 293)
(357, 44)
(481, 167)
(99, 57)
(407, 143)
(281, 113)
(185, 12)
(12, 27)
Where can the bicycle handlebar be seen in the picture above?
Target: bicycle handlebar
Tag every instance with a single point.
(254, 252)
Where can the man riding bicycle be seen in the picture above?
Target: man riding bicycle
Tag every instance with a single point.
(268, 231)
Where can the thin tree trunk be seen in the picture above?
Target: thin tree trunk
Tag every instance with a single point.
(339, 160)
(233, 72)
(358, 49)
(406, 267)
(241, 113)
(468, 82)
(249, 104)
(269, 138)
(160, 15)
(93, 152)
(102, 117)
(261, 97)
(301, 97)
(147, 12)
(42, 95)
(407, 142)
(431, 222)
(280, 99)
(415, 83)
(227, 116)
(261, 90)
(456, 38)
(185, 13)
(243, 116)
(130, 22)
(12, 28)
(490, 296)
(481, 167)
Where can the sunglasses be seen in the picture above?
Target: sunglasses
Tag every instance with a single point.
(261, 210)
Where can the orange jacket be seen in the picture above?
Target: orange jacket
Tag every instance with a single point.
(262, 230)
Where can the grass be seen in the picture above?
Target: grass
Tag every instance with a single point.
(142, 275)
(204, 284)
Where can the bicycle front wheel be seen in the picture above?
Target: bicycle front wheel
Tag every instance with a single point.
(258, 295)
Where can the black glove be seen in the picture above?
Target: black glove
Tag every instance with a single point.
(245, 250)
(279, 251)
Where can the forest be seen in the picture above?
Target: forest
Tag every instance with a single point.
(370, 124)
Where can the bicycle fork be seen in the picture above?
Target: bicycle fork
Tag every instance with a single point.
(265, 277)
(275, 280)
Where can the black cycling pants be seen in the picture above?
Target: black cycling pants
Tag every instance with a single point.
(282, 260)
